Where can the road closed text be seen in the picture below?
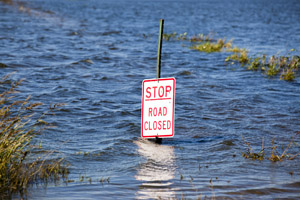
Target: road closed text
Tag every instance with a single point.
(160, 111)
(160, 124)
(157, 125)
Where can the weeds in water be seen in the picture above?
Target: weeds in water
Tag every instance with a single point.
(206, 197)
(88, 153)
(169, 36)
(286, 66)
(274, 157)
(250, 154)
(184, 37)
(210, 47)
(255, 64)
(204, 43)
(212, 189)
(2, 65)
(240, 56)
(235, 50)
(181, 177)
(202, 38)
(288, 75)
(272, 67)
(103, 180)
(20, 165)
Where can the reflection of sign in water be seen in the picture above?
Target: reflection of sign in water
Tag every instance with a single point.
(158, 100)
(157, 172)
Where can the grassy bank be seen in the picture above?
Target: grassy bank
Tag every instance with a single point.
(23, 163)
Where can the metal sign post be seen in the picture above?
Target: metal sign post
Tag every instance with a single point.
(158, 65)
(160, 38)
(158, 102)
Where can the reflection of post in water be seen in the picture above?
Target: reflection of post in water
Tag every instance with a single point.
(157, 172)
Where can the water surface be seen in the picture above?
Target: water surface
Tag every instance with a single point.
(93, 55)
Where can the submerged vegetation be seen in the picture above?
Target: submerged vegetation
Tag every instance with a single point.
(260, 155)
(184, 37)
(210, 47)
(22, 162)
(240, 55)
(286, 67)
(204, 43)
(274, 155)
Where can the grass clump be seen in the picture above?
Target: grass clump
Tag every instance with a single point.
(202, 38)
(272, 67)
(288, 75)
(286, 66)
(250, 154)
(184, 37)
(204, 43)
(169, 36)
(20, 162)
(274, 157)
(240, 55)
(210, 47)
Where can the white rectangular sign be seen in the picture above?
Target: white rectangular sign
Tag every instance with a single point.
(158, 107)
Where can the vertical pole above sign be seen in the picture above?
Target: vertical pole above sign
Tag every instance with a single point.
(158, 65)
(160, 38)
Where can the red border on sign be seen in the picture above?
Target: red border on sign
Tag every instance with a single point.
(173, 116)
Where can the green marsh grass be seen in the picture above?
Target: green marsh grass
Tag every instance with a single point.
(240, 55)
(210, 47)
(286, 67)
(288, 75)
(201, 42)
(184, 37)
(22, 162)
(169, 36)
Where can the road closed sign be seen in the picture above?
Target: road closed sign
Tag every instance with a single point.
(158, 106)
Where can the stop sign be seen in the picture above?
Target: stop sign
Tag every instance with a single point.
(158, 106)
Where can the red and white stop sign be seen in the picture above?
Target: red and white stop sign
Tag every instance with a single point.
(158, 107)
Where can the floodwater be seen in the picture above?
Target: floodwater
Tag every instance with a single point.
(93, 56)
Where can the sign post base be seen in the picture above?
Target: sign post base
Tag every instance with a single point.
(158, 140)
